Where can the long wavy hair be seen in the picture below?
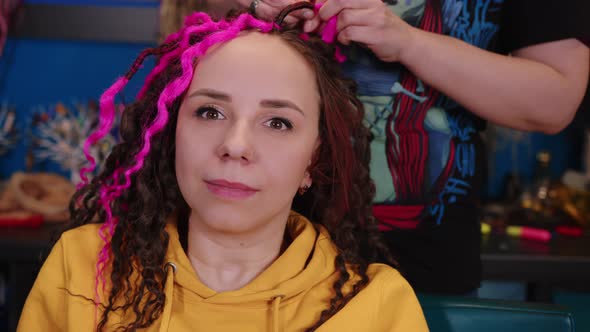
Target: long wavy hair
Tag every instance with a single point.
(137, 190)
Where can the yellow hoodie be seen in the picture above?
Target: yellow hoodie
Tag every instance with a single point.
(288, 296)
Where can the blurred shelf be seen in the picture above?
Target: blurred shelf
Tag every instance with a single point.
(107, 21)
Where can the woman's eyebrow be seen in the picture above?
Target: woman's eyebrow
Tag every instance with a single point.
(281, 103)
(211, 94)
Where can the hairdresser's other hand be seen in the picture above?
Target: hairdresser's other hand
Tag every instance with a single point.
(269, 9)
(368, 22)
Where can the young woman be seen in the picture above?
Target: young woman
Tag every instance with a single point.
(189, 226)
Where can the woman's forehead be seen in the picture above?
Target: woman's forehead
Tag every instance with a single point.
(247, 42)
(257, 55)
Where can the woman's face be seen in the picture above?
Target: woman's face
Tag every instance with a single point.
(246, 133)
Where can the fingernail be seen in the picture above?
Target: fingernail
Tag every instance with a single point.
(308, 14)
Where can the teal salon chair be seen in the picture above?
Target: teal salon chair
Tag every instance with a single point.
(466, 314)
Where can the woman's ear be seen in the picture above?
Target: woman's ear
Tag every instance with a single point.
(305, 184)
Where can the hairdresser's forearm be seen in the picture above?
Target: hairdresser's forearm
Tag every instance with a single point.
(539, 89)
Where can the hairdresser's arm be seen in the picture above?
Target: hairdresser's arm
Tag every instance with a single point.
(266, 9)
(537, 88)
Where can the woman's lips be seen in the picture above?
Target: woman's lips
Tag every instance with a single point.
(231, 190)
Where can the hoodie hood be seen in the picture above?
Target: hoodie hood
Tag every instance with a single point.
(307, 261)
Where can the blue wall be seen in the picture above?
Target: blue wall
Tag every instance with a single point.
(563, 148)
(44, 72)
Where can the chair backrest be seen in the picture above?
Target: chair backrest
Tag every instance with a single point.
(465, 314)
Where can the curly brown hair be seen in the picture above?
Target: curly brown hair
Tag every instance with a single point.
(342, 193)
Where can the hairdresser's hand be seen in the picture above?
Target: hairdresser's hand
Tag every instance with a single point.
(269, 9)
(368, 22)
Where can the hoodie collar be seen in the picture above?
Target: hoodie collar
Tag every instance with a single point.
(307, 261)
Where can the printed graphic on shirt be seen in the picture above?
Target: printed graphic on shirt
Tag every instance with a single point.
(449, 133)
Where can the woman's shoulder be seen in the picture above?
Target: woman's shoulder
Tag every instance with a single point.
(389, 302)
(71, 264)
(83, 241)
(385, 281)
(397, 298)
(390, 284)
(387, 275)
(88, 232)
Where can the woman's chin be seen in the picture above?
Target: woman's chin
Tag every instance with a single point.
(227, 219)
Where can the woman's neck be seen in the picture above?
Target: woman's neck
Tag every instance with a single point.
(229, 261)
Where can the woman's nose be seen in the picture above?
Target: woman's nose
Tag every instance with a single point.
(237, 143)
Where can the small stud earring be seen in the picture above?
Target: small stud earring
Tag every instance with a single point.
(303, 190)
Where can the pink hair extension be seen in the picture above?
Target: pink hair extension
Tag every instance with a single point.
(329, 34)
(108, 109)
(110, 192)
(103, 258)
(178, 86)
(183, 44)
(105, 232)
(338, 55)
(107, 116)
(194, 24)
(106, 196)
(109, 227)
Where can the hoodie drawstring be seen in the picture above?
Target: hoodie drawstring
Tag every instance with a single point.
(169, 291)
(276, 302)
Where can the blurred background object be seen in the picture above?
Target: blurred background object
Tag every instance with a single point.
(59, 133)
(8, 131)
(8, 9)
(173, 12)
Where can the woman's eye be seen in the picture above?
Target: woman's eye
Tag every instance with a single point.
(209, 113)
(279, 124)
